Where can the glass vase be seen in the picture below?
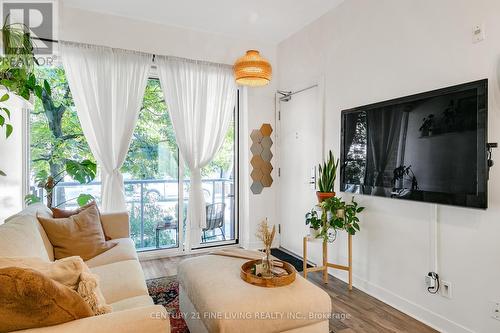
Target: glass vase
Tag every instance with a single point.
(267, 263)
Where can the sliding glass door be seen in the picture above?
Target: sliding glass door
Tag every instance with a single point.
(156, 183)
(152, 171)
(219, 179)
(151, 176)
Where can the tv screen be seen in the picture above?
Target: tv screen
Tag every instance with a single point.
(429, 147)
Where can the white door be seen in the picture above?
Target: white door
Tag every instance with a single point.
(300, 151)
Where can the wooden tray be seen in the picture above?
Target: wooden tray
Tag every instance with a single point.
(270, 282)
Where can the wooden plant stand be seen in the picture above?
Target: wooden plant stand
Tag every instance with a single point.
(326, 264)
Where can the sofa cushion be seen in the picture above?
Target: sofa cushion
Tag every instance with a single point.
(46, 242)
(123, 250)
(20, 237)
(78, 235)
(31, 212)
(28, 299)
(121, 280)
(116, 225)
(132, 303)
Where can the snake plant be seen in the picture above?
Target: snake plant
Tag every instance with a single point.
(328, 174)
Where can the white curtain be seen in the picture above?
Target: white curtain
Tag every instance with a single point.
(201, 98)
(107, 87)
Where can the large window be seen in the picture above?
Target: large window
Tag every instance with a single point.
(55, 137)
(156, 185)
(151, 173)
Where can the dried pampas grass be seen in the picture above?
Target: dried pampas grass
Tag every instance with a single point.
(265, 234)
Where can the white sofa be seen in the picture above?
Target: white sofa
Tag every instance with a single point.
(121, 277)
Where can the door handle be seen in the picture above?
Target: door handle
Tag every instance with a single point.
(312, 182)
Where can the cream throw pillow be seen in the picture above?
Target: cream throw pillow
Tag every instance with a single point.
(71, 272)
(78, 235)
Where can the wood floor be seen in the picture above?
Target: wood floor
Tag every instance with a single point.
(356, 311)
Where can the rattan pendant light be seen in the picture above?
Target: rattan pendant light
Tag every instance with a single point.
(252, 70)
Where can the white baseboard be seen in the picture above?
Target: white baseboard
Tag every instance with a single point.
(408, 307)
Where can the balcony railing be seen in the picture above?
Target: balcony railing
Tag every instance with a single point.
(153, 205)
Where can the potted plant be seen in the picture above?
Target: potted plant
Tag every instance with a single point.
(344, 214)
(327, 176)
(336, 215)
(314, 223)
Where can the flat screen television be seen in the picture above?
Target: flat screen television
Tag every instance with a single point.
(429, 147)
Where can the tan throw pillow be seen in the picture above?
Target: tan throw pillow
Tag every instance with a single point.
(78, 235)
(28, 299)
(71, 272)
(58, 213)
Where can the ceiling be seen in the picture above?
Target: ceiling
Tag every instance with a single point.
(261, 20)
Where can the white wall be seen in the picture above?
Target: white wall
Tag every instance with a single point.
(11, 159)
(371, 51)
(257, 103)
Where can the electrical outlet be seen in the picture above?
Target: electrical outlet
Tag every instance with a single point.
(495, 310)
(429, 282)
(478, 33)
(446, 289)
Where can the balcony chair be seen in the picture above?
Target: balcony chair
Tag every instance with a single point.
(215, 214)
(215, 219)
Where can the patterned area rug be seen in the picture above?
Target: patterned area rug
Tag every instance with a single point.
(165, 291)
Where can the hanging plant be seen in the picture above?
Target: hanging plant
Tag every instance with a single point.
(17, 71)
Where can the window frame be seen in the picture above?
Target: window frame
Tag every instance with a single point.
(181, 248)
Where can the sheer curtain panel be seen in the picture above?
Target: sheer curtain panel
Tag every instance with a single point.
(107, 87)
(201, 97)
